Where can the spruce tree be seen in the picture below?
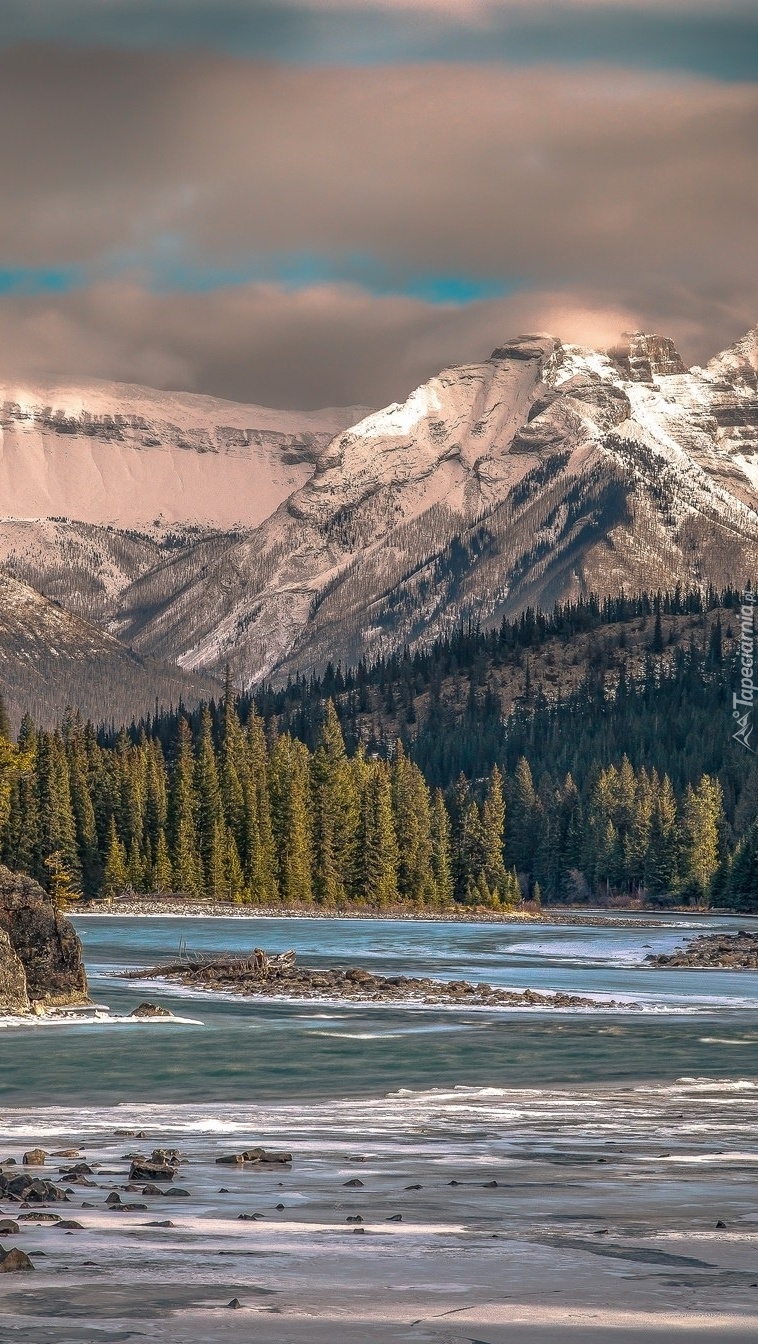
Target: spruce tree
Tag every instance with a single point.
(336, 816)
(441, 855)
(493, 830)
(379, 857)
(115, 876)
(186, 863)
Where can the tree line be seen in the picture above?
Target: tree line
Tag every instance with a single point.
(231, 813)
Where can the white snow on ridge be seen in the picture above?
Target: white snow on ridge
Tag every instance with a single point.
(122, 455)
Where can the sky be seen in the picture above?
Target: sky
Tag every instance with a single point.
(325, 202)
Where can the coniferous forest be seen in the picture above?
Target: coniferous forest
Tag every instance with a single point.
(629, 786)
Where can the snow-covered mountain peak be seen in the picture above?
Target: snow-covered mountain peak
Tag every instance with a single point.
(641, 357)
(738, 364)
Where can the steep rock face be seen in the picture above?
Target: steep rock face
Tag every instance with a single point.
(641, 358)
(128, 456)
(545, 472)
(13, 994)
(45, 945)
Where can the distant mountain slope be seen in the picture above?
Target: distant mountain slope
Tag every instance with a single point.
(546, 472)
(132, 457)
(51, 659)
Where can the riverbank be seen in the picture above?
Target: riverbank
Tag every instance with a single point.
(145, 907)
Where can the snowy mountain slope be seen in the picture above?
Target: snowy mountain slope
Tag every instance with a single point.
(133, 457)
(545, 471)
(51, 659)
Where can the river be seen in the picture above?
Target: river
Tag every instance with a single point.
(599, 1151)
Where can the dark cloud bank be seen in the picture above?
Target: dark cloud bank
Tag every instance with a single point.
(613, 200)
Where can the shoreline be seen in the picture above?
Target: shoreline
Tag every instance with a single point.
(597, 917)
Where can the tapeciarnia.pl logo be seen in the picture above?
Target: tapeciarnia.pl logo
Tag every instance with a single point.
(743, 701)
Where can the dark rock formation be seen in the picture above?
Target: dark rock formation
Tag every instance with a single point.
(714, 951)
(161, 1166)
(14, 1261)
(29, 1189)
(252, 1156)
(13, 996)
(150, 1010)
(40, 953)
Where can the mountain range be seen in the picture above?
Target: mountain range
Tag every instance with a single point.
(190, 533)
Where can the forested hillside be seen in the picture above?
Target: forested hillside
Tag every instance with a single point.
(410, 782)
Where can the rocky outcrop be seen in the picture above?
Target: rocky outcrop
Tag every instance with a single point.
(279, 976)
(13, 994)
(641, 358)
(40, 954)
(714, 951)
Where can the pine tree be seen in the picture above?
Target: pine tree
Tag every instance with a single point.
(336, 816)
(662, 866)
(234, 877)
(115, 871)
(208, 811)
(379, 857)
(522, 831)
(493, 829)
(702, 817)
(162, 877)
(56, 824)
(412, 813)
(441, 857)
(183, 846)
(291, 819)
(260, 860)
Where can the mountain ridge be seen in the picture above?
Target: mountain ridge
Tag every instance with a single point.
(542, 474)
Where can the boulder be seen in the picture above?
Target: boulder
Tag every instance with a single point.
(252, 1156)
(31, 1189)
(9, 1226)
(14, 998)
(170, 1156)
(34, 1158)
(14, 1261)
(150, 1010)
(44, 942)
(146, 1171)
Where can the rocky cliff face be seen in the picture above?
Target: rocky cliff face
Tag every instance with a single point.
(543, 473)
(40, 953)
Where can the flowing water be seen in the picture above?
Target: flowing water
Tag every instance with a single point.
(602, 1145)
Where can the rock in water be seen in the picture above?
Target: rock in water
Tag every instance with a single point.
(150, 1010)
(45, 947)
(34, 1158)
(14, 1261)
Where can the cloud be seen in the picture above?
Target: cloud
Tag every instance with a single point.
(606, 196)
(716, 37)
(329, 345)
